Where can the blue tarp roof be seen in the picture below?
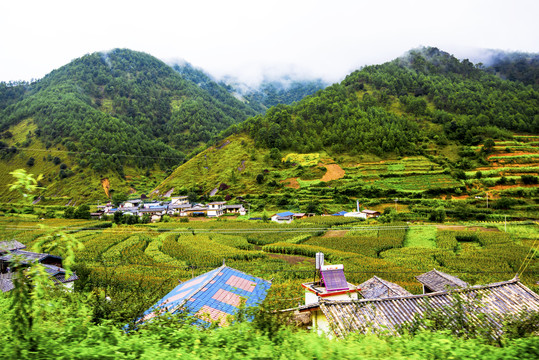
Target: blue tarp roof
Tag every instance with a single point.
(340, 213)
(213, 296)
(285, 214)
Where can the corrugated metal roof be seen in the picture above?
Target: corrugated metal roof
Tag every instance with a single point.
(213, 296)
(377, 288)
(285, 214)
(438, 281)
(389, 314)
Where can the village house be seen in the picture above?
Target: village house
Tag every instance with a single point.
(234, 209)
(213, 297)
(177, 206)
(179, 200)
(335, 310)
(388, 314)
(216, 208)
(9, 250)
(132, 203)
(196, 210)
(377, 288)
(356, 214)
(435, 280)
(178, 209)
(371, 213)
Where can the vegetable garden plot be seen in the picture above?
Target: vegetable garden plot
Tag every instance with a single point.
(418, 183)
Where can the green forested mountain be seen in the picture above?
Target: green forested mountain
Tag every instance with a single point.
(283, 91)
(516, 66)
(121, 107)
(400, 106)
(258, 99)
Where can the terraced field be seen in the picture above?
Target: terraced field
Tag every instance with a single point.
(158, 255)
(507, 164)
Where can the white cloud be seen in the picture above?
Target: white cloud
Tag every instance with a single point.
(244, 37)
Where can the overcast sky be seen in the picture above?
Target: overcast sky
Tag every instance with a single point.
(247, 38)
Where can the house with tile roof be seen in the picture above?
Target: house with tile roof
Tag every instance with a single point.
(435, 280)
(215, 296)
(51, 263)
(493, 301)
(6, 246)
(377, 288)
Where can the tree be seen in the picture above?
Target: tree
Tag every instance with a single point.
(31, 161)
(313, 207)
(529, 179)
(82, 212)
(192, 197)
(69, 212)
(118, 217)
(117, 199)
(260, 178)
(488, 145)
(438, 214)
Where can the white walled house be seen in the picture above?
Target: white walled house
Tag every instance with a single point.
(356, 214)
(216, 209)
(332, 286)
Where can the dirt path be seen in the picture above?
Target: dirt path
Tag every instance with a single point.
(464, 228)
(334, 172)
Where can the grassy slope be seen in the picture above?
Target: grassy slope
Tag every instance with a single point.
(83, 186)
(217, 165)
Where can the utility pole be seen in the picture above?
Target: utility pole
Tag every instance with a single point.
(487, 200)
(505, 221)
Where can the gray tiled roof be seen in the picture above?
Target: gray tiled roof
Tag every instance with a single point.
(493, 300)
(377, 288)
(438, 281)
(11, 245)
(28, 256)
(6, 285)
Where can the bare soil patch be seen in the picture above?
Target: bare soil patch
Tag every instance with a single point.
(485, 168)
(291, 183)
(512, 154)
(335, 233)
(334, 172)
(503, 187)
(292, 259)
(106, 186)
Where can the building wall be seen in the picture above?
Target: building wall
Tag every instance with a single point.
(321, 324)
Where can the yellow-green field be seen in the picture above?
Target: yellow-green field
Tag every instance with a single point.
(162, 253)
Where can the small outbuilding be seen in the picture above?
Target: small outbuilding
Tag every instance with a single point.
(377, 288)
(388, 315)
(435, 280)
